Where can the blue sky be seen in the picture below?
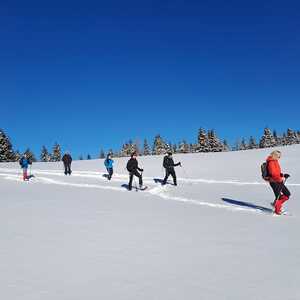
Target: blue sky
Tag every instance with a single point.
(94, 74)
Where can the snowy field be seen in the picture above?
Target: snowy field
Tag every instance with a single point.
(213, 237)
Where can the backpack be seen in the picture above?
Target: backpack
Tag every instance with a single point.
(265, 172)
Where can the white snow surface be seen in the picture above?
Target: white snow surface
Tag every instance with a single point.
(82, 237)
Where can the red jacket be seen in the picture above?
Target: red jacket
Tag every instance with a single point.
(274, 170)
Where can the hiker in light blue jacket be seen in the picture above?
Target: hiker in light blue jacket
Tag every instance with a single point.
(109, 166)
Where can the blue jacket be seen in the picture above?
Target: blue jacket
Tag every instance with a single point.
(24, 163)
(108, 163)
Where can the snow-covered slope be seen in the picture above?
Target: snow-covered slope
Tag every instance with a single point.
(212, 237)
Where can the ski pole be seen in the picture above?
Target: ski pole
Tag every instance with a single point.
(136, 189)
(279, 194)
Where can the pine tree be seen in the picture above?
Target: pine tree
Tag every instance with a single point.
(226, 147)
(102, 154)
(6, 149)
(88, 157)
(45, 156)
(276, 138)
(56, 153)
(30, 155)
(193, 148)
(291, 137)
(80, 157)
(267, 139)
(243, 145)
(252, 143)
(146, 150)
(298, 137)
(184, 147)
(17, 155)
(214, 143)
(159, 146)
(128, 148)
(203, 144)
(174, 148)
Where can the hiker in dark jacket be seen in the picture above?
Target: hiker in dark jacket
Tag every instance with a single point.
(67, 160)
(133, 168)
(169, 165)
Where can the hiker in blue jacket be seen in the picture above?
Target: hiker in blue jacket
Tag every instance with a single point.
(109, 166)
(24, 163)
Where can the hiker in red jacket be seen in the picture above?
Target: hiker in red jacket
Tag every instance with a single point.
(276, 179)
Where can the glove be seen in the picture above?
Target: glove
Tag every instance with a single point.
(286, 176)
(180, 164)
(142, 170)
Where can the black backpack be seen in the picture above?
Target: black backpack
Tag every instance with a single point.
(265, 172)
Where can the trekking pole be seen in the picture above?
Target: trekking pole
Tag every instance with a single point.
(136, 188)
(283, 183)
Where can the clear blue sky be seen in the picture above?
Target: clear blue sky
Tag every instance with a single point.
(92, 74)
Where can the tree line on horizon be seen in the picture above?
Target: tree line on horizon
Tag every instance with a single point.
(207, 141)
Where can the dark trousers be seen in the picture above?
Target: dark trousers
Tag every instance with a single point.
(67, 169)
(279, 188)
(137, 174)
(172, 173)
(110, 173)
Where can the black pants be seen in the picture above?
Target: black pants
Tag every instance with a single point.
(137, 174)
(172, 173)
(110, 173)
(67, 169)
(279, 188)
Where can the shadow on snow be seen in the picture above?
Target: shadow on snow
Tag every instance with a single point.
(249, 205)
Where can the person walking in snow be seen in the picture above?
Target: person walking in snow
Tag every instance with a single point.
(24, 163)
(67, 160)
(133, 168)
(277, 179)
(109, 166)
(169, 166)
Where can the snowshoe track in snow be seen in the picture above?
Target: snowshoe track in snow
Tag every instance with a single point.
(96, 180)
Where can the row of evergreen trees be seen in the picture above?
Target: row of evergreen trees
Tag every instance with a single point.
(207, 141)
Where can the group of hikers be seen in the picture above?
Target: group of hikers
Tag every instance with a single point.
(273, 173)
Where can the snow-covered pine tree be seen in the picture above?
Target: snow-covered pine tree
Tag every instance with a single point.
(159, 146)
(146, 150)
(243, 145)
(203, 144)
(193, 148)
(298, 137)
(174, 148)
(6, 149)
(56, 153)
(30, 155)
(284, 140)
(81, 157)
(45, 156)
(291, 137)
(276, 138)
(226, 147)
(102, 154)
(252, 143)
(267, 139)
(214, 143)
(184, 147)
(17, 155)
